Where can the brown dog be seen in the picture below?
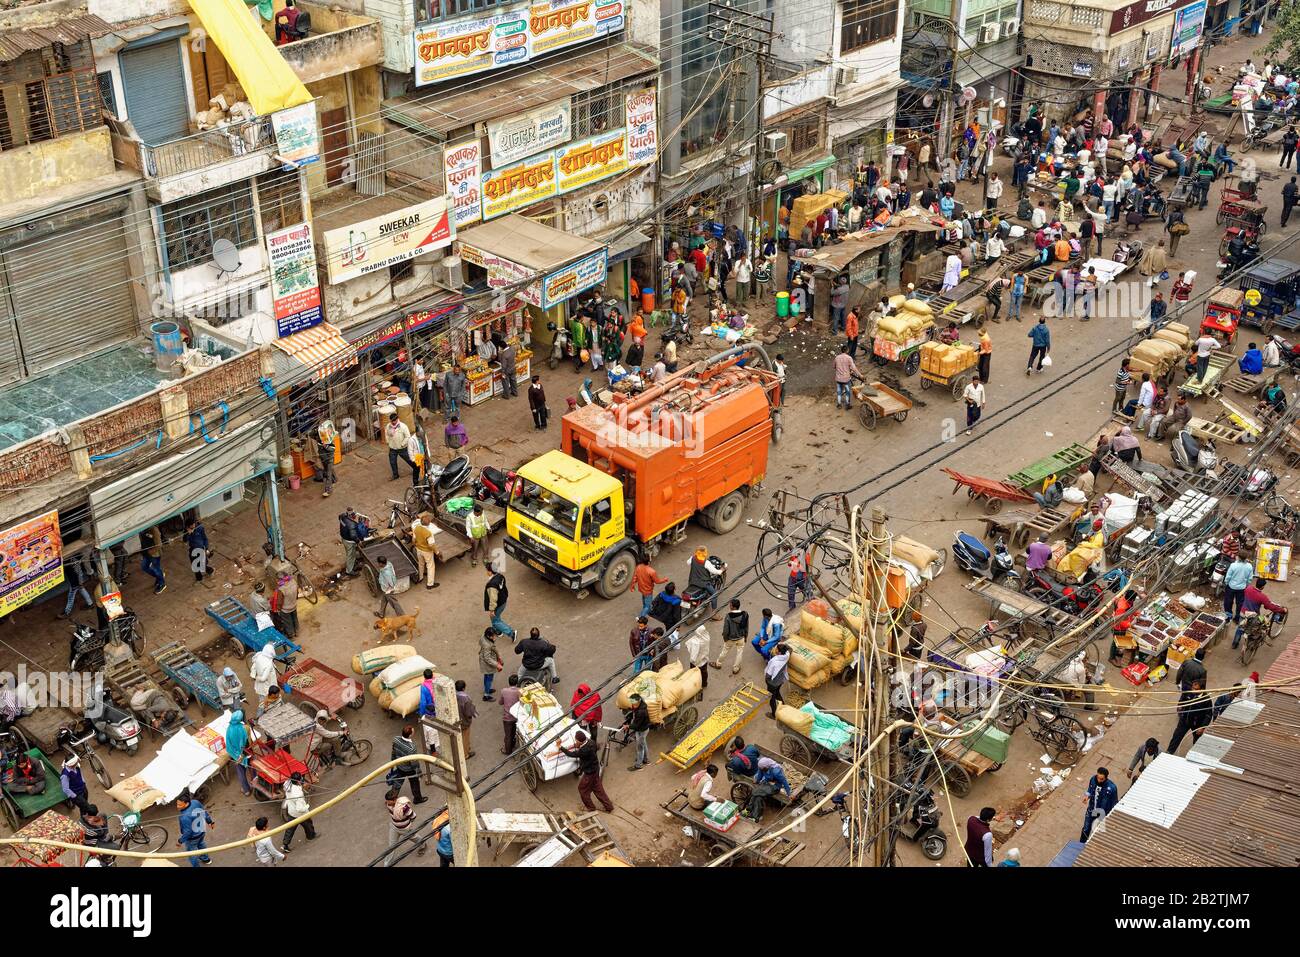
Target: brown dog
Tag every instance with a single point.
(389, 628)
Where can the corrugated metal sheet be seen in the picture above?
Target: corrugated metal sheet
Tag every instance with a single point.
(1210, 751)
(1246, 819)
(1242, 712)
(14, 43)
(1163, 790)
(1285, 668)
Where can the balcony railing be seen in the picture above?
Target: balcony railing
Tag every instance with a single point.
(208, 148)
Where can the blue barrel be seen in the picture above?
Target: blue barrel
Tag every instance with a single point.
(167, 344)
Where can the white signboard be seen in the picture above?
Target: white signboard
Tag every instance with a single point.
(352, 251)
(518, 137)
(642, 128)
(462, 166)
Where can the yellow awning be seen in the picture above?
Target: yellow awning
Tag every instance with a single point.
(269, 83)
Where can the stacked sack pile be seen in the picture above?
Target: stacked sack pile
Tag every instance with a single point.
(662, 691)
(909, 321)
(940, 359)
(820, 649)
(397, 687)
(230, 105)
(1163, 352)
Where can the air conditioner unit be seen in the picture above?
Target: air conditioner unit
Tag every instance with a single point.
(845, 76)
(989, 33)
(1010, 28)
(774, 142)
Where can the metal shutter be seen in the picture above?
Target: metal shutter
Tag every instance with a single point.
(72, 295)
(154, 83)
(11, 365)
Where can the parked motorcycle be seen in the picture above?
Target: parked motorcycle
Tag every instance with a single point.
(678, 331)
(112, 725)
(493, 485)
(974, 557)
(1190, 455)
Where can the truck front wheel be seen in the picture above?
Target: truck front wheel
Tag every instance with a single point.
(727, 514)
(617, 575)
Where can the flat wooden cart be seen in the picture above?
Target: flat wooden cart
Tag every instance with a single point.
(183, 668)
(1216, 431)
(878, 401)
(1061, 463)
(319, 687)
(992, 491)
(1245, 384)
(960, 763)
(1131, 478)
(1195, 386)
(245, 635)
(956, 382)
(1014, 604)
(718, 727)
(773, 852)
(128, 677)
(392, 548)
(456, 542)
(1021, 526)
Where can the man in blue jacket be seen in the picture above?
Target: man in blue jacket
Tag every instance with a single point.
(743, 758)
(1042, 340)
(770, 780)
(195, 822)
(1252, 362)
(1102, 797)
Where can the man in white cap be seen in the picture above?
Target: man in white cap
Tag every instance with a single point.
(230, 690)
(73, 784)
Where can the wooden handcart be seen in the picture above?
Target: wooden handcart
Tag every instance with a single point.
(318, 687)
(775, 851)
(956, 382)
(240, 623)
(1131, 478)
(190, 675)
(1219, 361)
(1061, 463)
(128, 677)
(1020, 526)
(1216, 431)
(718, 727)
(992, 491)
(1015, 604)
(960, 763)
(878, 401)
(1244, 384)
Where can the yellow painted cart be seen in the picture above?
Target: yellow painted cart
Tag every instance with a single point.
(718, 727)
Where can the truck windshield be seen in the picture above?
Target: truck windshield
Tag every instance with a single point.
(553, 511)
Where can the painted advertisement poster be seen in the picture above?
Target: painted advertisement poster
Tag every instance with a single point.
(642, 128)
(462, 169)
(517, 186)
(591, 160)
(31, 561)
(352, 251)
(295, 288)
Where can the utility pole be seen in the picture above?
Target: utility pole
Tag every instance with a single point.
(947, 106)
(449, 775)
(882, 759)
(750, 35)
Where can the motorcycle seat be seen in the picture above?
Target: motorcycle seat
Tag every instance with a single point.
(974, 546)
(1191, 447)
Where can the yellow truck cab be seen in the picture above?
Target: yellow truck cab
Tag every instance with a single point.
(564, 515)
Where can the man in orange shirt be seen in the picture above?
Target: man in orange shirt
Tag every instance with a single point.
(1062, 249)
(852, 331)
(644, 578)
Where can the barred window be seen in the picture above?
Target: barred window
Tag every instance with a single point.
(1045, 12)
(603, 109)
(426, 10)
(280, 200)
(865, 22)
(48, 93)
(1086, 16)
(192, 226)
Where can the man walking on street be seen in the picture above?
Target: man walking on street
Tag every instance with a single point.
(985, 354)
(495, 596)
(974, 396)
(323, 440)
(537, 403)
(509, 725)
(1288, 199)
(993, 192)
(1041, 336)
(453, 389)
(735, 630)
(509, 384)
(775, 675)
(588, 758)
(397, 436)
(196, 540)
(1235, 582)
(195, 822)
(1100, 800)
(1289, 140)
(404, 747)
(644, 577)
(353, 530)
(846, 370)
(387, 587)
(1195, 709)
(489, 660)
(467, 713)
(638, 722)
(151, 558)
(852, 330)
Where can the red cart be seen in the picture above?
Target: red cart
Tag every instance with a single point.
(993, 491)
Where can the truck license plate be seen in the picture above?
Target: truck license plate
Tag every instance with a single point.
(536, 564)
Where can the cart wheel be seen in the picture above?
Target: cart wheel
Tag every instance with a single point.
(11, 813)
(901, 416)
(306, 589)
(741, 793)
(372, 580)
(684, 721)
(1223, 246)
(958, 780)
(880, 360)
(1268, 327)
(1220, 217)
(994, 505)
(356, 703)
(237, 648)
(23, 743)
(867, 416)
(531, 776)
(848, 676)
(912, 363)
(935, 846)
(1275, 624)
(203, 793)
(939, 564)
(1008, 719)
(959, 385)
(1262, 228)
(795, 749)
(1246, 145)
(181, 696)
(925, 383)
(359, 753)
(101, 772)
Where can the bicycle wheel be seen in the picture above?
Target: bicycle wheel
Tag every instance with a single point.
(358, 753)
(1275, 624)
(101, 773)
(1249, 648)
(1009, 717)
(411, 501)
(1063, 738)
(306, 589)
(148, 837)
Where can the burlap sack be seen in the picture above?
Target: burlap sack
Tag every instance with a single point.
(398, 673)
(913, 552)
(805, 658)
(377, 659)
(819, 631)
(809, 682)
(794, 719)
(403, 699)
(643, 684)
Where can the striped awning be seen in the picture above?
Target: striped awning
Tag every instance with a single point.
(321, 348)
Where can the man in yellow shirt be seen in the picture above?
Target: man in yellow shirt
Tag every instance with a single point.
(422, 534)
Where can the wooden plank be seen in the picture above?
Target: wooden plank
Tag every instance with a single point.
(502, 822)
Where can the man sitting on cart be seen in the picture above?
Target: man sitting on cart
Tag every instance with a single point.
(323, 746)
(743, 758)
(769, 780)
(28, 776)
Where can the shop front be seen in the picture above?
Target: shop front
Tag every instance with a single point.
(537, 270)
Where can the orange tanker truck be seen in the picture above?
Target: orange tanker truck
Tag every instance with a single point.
(630, 476)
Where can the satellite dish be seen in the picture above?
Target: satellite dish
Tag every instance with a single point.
(225, 256)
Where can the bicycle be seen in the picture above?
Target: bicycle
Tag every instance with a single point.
(81, 747)
(1258, 630)
(133, 835)
(1055, 728)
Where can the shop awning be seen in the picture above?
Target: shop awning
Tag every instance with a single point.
(627, 247)
(268, 81)
(793, 176)
(322, 349)
(837, 257)
(561, 263)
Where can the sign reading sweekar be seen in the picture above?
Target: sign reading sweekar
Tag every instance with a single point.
(352, 251)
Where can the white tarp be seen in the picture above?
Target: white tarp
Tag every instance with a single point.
(545, 744)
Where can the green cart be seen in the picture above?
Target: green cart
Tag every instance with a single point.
(1061, 463)
(20, 807)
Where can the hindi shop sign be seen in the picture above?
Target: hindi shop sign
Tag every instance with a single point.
(295, 289)
(462, 169)
(642, 128)
(352, 251)
(591, 160)
(444, 51)
(527, 134)
(31, 561)
(572, 279)
(517, 186)
(297, 138)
